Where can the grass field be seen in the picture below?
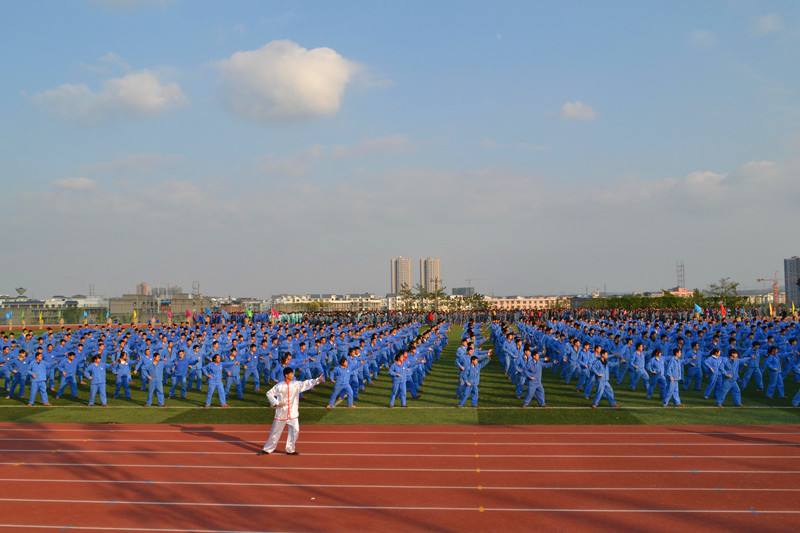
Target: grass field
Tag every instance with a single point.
(498, 405)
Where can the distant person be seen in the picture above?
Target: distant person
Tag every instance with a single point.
(38, 375)
(96, 372)
(471, 376)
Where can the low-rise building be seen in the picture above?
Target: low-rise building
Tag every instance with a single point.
(527, 303)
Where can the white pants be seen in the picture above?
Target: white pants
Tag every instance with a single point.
(277, 430)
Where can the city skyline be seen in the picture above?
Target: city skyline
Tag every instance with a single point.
(262, 147)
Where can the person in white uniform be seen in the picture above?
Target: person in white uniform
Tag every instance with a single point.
(284, 397)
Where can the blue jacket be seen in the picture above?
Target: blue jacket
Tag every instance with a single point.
(97, 373)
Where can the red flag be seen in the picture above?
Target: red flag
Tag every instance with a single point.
(722, 310)
(273, 312)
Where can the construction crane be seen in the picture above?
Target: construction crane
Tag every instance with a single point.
(775, 287)
(470, 280)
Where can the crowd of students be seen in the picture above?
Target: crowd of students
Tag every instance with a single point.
(224, 357)
(720, 357)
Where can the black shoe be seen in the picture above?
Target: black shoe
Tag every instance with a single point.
(292, 453)
(263, 452)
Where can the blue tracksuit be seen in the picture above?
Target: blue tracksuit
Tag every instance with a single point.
(180, 375)
(97, 384)
(122, 370)
(729, 376)
(773, 364)
(38, 373)
(600, 370)
(68, 371)
(234, 377)
(19, 376)
(674, 373)
(711, 364)
(471, 376)
(398, 373)
(796, 399)
(753, 370)
(533, 373)
(656, 369)
(638, 370)
(694, 370)
(341, 378)
(214, 372)
(156, 383)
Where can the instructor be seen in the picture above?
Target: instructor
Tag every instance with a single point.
(285, 397)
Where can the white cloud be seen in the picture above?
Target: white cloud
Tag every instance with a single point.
(769, 23)
(282, 80)
(81, 183)
(136, 93)
(702, 38)
(577, 110)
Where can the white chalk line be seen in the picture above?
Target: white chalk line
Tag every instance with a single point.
(395, 487)
(388, 469)
(392, 507)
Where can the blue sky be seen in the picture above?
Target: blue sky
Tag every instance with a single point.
(263, 147)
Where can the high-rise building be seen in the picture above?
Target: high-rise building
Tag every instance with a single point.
(430, 277)
(399, 274)
(143, 289)
(791, 269)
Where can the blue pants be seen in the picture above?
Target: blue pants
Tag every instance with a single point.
(729, 385)
(73, 386)
(636, 375)
(694, 376)
(604, 389)
(17, 381)
(775, 382)
(123, 382)
(196, 379)
(796, 399)
(41, 388)
(583, 376)
(157, 387)
(235, 380)
(656, 381)
(535, 390)
(712, 385)
(256, 378)
(175, 381)
(622, 369)
(469, 390)
(215, 386)
(672, 393)
(94, 388)
(340, 390)
(590, 383)
(751, 371)
(398, 390)
(573, 368)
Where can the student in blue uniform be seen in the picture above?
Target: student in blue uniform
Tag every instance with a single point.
(533, 374)
(600, 370)
(472, 379)
(68, 369)
(251, 368)
(214, 372)
(233, 371)
(398, 373)
(341, 379)
(96, 372)
(38, 374)
(122, 370)
(796, 399)
(674, 375)
(19, 374)
(729, 376)
(655, 367)
(155, 371)
(773, 365)
(753, 370)
(711, 367)
(694, 368)
(638, 371)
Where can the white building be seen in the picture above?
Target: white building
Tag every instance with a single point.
(527, 303)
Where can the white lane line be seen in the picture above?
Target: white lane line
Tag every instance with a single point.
(386, 469)
(118, 528)
(424, 443)
(390, 507)
(443, 455)
(190, 431)
(395, 487)
(199, 407)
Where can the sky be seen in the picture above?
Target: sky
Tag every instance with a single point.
(268, 147)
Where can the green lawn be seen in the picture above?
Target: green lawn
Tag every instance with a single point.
(498, 405)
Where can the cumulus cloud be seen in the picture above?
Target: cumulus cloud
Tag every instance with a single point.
(81, 183)
(577, 110)
(134, 94)
(769, 23)
(702, 38)
(282, 80)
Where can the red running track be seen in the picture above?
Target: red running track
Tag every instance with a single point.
(409, 478)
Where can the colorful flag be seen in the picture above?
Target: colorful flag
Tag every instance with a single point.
(771, 310)
(722, 310)
(698, 309)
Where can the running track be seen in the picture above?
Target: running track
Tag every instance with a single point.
(400, 478)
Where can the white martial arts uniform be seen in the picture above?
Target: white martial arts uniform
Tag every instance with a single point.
(285, 398)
